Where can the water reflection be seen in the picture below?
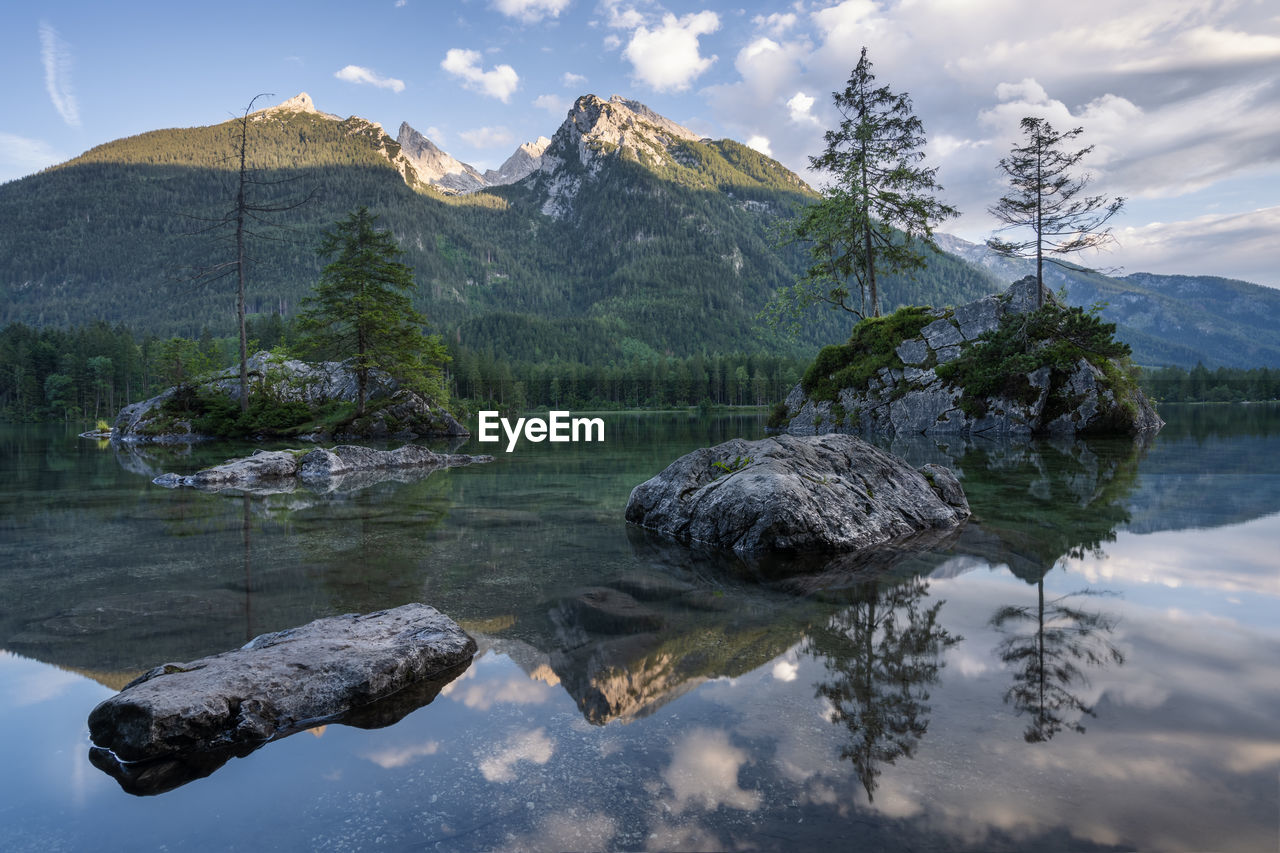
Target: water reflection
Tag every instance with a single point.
(882, 653)
(1048, 661)
(160, 775)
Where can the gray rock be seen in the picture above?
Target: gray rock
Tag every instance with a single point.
(913, 351)
(320, 468)
(289, 380)
(789, 494)
(942, 333)
(982, 315)
(1020, 297)
(946, 484)
(278, 683)
(919, 412)
(927, 406)
(947, 354)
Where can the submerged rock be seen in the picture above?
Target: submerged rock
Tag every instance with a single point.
(796, 495)
(319, 467)
(278, 684)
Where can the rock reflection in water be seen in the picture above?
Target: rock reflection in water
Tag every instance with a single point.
(159, 775)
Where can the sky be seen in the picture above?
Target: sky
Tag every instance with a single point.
(1180, 99)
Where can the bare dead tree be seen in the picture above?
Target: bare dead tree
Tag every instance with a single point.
(245, 208)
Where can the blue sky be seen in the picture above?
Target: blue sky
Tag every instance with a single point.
(1181, 98)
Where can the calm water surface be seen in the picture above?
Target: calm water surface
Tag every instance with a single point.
(1092, 663)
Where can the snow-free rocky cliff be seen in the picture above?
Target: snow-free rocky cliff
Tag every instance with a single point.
(912, 399)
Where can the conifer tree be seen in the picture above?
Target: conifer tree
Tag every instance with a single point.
(877, 214)
(361, 308)
(1044, 197)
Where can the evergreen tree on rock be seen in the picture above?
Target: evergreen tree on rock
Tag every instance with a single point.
(361, 309)
(1044, 197)
(878, 213)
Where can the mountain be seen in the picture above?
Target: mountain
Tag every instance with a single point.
(442, 171)
(435, 166)
(524, 160)
(1167, 319)
(632, 236)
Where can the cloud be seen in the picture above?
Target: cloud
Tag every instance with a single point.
(572, 80)
(530, 11)
(393, 757)
(359, 74)
(20, 155)
(436, 135)
(800, 104)
(785, 670)
(56, 56)
(704, 772)
(499, 82)
(666, 58)
(534, 747)
(761, 144)
(553, 104)
(487, 137)
(775, 24)
(619, 18)
(400, 4)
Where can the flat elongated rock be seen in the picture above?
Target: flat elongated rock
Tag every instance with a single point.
(278, 683)
(315, 467)
(796, 495)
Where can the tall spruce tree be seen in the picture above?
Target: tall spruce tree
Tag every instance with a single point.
(1044, 197)
(361, 309)
(878, 212)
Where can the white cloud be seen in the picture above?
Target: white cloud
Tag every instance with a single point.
(393, 757)
(572, 80)
(56, 56)
(785, 670)
(800, 105)
(553, 104)
(436, 135)
(359, 74)
(619, 18)
(499, 82)
(666, 58)
(761, 144)
(20, 155)
(534, 747)
(487, 137)
(612, 42)
(775, 24)
(531, 11)
(400, 4)
(704, 772)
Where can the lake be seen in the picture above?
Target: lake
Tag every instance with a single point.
(1091, 663)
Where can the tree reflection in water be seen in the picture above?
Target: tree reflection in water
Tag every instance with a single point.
(1048, 663)
(883, 651)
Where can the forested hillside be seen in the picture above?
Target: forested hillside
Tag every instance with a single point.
(652, 255)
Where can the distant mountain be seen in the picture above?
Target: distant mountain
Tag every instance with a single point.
(1166, 319)
(442, 171)
(629, 235)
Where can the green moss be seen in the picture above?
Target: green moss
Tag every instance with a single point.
(1054, 336)
(871, 347)
(778, 416)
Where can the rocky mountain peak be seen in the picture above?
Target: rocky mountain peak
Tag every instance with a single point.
(594, 125)
(436, 167)
(299, 103)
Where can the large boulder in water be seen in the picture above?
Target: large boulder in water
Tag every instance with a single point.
(797, 495)
(278, 683)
